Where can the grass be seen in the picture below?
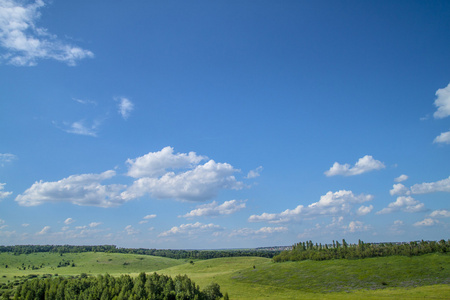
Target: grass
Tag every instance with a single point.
(88, 262)
(399, 277)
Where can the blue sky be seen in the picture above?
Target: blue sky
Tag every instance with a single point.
(224, 124)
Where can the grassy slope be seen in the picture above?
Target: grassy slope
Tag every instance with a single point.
(390, 277)
(89, 262)
(337, 279)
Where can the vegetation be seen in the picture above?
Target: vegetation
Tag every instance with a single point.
(176, 254)
(397, 276)
(308, 250)
(101, 287)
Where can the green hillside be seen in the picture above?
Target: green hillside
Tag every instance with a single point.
(18, 266)
(426, 276)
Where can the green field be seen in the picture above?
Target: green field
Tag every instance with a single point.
(418, 277)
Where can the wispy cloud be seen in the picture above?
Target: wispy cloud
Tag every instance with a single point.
(2, 193)
(69, 221)
(363, 165)
(6, 158)
(26, 43)
(125, 107)
(401, 178)
(255, 173)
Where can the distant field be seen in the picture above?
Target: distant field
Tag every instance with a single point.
(399, 277)
(87, 262)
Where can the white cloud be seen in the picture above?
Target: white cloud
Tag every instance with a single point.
(6, 158)
(155, 164)
(405, 204)
(336, 203)
(80, 128)
(25, 225)
(191, 229)
(357, 226)
(444, 137)
(94, 224)
(81, 101)
(69, 221)
(431, 187)
(398, 222)
(255, 173)
(441, 213)
(143, 222)
(399, 189)
(442, 103)
(131, 231)
(44, 230)
(213, 209)
(2, 193)
(125, 107)
(262, 231)
(364, 210)
(401, 178)
(426, 222)
(25, 42)
(147, 217)
(200, 184)
(82, 189)
(363, 165)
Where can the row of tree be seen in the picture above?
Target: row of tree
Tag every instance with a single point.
(336, 250)
(106, 287)
(177, 254)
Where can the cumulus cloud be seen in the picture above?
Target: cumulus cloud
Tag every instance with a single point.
(191, 229)
(264, 231)
(155, 164)
(44, 230)
(147, 217)
(25, 43)
(199, 184)
(125, 107)
(426, 222)
(399, 189)
(442, 102)
(405, 204)
(444, 138)
(431, 187)
(6, 158)
(364, 210)
(82, 189)
(69, 221)
(213, 209)
(357, 226)
(2, 193)
(339, 202)
(363, 165)
(254, 173)
(401, 178)
(440, 213)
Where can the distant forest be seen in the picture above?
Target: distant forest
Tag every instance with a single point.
(336, 250)
(177, 254)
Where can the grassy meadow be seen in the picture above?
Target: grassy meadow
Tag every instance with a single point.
(418, 277)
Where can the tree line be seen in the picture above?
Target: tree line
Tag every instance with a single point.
(336, 250)
(176, 254)
(106, 287)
